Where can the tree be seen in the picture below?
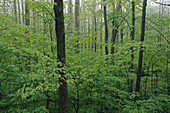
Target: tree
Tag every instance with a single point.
(77, 24)
(27, 15)
(15, 10)
(139, 73)
(106, 30)
(60, 35)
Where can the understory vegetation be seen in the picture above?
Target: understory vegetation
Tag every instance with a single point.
(96, 82)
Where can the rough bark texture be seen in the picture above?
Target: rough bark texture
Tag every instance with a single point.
(139, 73)
(106, 29)
(59, 28)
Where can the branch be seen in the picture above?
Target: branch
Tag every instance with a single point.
(161, 3)
(161, 34)
(157, 105)
(48, 12)
(46, 9)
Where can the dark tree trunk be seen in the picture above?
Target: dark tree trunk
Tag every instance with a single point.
(15, 10)
(121, 35)
(27, 20)
(106, 30)
(60, 35)
(95, 28)
(89, 32)
(132, 33)
(101, 33)
(22, 3)
(70, 12)
(115, 31)
(19, 12)
(77, 5)
(133, 37)
(139, 73)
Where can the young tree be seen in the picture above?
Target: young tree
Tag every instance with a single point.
(60, 35)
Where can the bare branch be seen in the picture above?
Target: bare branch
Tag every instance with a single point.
(161, 3)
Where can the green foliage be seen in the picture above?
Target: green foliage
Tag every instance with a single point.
(29, 72)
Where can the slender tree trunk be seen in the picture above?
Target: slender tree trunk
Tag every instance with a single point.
(139, 73)
(77, 5)
(27, 18)
(19, 12)
(4, 6)
(15, 10)
(60, 35)
(168, 88)
(121, 35)
(89, 31)
(115, 31)
(106, 30)
(101, 32)
(133, 32)
(95, 29)
(22, 8)
(133, 37)
(70, 12)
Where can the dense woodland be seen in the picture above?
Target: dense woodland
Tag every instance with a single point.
(84, 56)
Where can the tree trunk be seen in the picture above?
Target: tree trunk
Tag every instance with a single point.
(121, 33)
(115, 31)
(77, 5)
(106, 30)
(60, 35)
(15, 10)
(27, 20)
(132, 33)
(133, 37)
(70, 12)
(101, 33)
(22, 3)
(19, 12)
(139, 73)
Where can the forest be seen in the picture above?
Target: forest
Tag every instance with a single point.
(84, 56)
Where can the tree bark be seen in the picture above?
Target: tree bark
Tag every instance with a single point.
(22, 3)
(19, 12)
(106, 30)
(15, 10)
(133, 33)
(115, 31)
(27, 20)
(77, 5)
(139, 73)
(70, 12)
(60, 35)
